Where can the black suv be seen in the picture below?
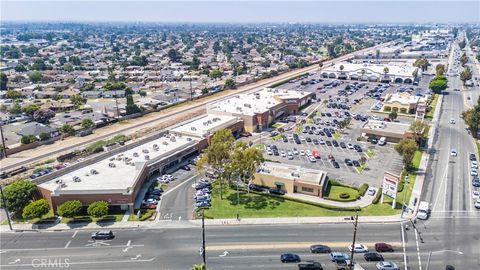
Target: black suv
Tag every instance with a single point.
(277, 191)
(102, 235)
(473, 157)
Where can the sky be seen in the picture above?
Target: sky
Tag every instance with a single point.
(246, 11)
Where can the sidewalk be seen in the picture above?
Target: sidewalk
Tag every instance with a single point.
(159, 224)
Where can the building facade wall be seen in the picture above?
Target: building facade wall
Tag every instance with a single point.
(269, 181)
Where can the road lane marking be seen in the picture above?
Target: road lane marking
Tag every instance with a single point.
(81, 263)
(14, 262)
(418, 250)
(404, 249)
(68, 244)
(279, 245)
(136, 257)
(59, 248)
(74, 234)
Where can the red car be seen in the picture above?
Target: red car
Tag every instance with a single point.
(331, 157)
(383, 247)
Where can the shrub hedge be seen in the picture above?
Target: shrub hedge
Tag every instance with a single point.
(363, 188)
(377, 196)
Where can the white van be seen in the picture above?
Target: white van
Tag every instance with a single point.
(382, 141)
(423, 210)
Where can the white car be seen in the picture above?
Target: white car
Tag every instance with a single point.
(350, 146)
(302, 153)
(359, 248)
(295, 151)
(269, 152)
(290, 137)
(321, 141)
(452, 121)
(312, 159)
(283, 154)
(477, 204)
(453, 152)
(387, 266)
(473, 172)
(371, 191)
(473, 164)
(476, 195)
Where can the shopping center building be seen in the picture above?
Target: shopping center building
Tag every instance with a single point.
(259, 110)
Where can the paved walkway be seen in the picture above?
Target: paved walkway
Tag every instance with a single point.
(364, 201)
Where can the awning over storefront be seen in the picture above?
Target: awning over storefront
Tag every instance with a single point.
(279, 184)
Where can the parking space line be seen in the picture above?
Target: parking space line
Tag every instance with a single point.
(74, 234)
(68, 244)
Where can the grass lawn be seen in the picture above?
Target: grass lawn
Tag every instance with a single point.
(429, 115)
(478, 149)
(310, 121)
(361, 168)
(370, 153)
(333, 193)
(299, 129)
(260, 146)
(336, 135)
(112, 216)
(277, 125)
(278, 137)
(259, 206)
(145, 214)
(44, 218)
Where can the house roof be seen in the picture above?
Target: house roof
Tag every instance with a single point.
(34, 128)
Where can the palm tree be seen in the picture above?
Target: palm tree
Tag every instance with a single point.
(385, 72)
(341, 67)
(363, 73)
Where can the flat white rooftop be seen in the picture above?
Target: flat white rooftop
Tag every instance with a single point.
(204, 125)
(259, 102)
(392, 127)
(121, 178)
(293, 172)
(397, 69)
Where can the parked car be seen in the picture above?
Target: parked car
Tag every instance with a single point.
(276, 191)
(371, 191)
(320, 249)
(338, 256)
(372, 257)
(256, 188)
(383, 247)
(289, 257)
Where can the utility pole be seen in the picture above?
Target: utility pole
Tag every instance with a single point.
(116, 102)
(3, 141)
(191, 91)
(6, 208)
(353, 243)
(203, 241)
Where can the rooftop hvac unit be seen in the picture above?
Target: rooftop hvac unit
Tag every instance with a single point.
(189, 139)
(172, 139)
(193, 128)
(165, 143)
(147, 157)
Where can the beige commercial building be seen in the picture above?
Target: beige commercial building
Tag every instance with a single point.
(392, 131)
(403, 102)
(292, 179)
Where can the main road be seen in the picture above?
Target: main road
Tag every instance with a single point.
(155, 121)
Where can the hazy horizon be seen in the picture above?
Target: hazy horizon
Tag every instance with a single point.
(315, 12)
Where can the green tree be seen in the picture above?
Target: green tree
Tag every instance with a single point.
(43, 115)
(78, 100)
(417, 128)
(465, 75)
(70, 209)
(26, 139)
(20, 68)
(30, 109)
(67, 129)
(174, 55)
(15, 108)
(392, 115)
(215, 74)
(464, 59)
(13, 94)
(438, 84)
(3, 81)
(68, 67)
(98, 209)
(199, 267)
(18, 194)
(440, 69)
(245, 161)
(131, 107)
(87, 123)
(421, 63)
(218, 153)
(35, 76)
(385, 71)
(230, 83)
(38, 64)
(472, 118)
(44, 136)
(36, 209)
(406, 148)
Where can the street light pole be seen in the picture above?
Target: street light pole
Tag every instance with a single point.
(404, 195)
(353, 244)
(439, 251)
(4, 146)
(203, 241)
(6, 208)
